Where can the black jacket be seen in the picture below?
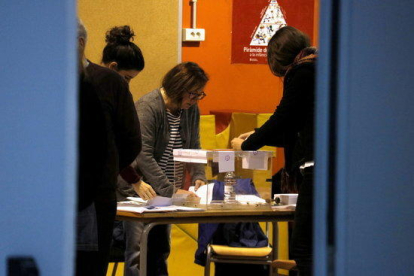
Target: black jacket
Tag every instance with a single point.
(293, 120)
(109, 132)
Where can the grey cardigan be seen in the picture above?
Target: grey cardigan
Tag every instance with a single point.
(155, 136)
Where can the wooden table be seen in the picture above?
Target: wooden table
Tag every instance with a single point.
(207, 216)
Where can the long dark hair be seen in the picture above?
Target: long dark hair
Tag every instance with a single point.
(184, 77)
(122, 50)
(283, 48)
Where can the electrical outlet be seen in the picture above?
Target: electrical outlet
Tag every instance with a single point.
(194, 34)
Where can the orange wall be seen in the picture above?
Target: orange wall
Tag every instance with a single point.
(244, 87)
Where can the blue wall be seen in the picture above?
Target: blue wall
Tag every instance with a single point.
(38, 133)
(374, 185)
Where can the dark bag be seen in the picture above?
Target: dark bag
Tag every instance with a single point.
(290, 181)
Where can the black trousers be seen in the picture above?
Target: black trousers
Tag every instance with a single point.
(159, 248)
(302, 236)
(95, 263)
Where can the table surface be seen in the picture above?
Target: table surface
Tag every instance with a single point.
(210, 214)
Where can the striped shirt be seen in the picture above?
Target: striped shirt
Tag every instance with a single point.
(174, 172)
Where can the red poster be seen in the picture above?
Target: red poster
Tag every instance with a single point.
(254, 23)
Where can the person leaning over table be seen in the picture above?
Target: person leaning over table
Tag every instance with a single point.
(109, 140)
(170, 120)
(290, 57)
(125, 57)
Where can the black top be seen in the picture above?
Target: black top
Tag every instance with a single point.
(111, 140)
(293, 119)
(92, 143)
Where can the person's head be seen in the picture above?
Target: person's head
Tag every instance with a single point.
(184, 84)
(121, 54)
(283, 48)
(82, 37)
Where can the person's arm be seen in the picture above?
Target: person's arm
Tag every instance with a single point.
(288, 116)
(152, 172)
(126, 126)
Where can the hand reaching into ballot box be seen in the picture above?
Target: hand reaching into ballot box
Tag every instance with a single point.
(246, 135)
(237, 142)
(144, 190)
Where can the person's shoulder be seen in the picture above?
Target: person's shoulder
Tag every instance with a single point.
(305, 67)
(105, 75)
(152, 97)
(151, 100)
(302, 70)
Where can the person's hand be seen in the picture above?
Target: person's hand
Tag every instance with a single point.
(236, 143)
(198, 183)
(246, 135)
(144, 190)
(188, 193)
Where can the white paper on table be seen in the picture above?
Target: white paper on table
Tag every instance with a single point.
(256, 160)
(137, 199)
(249, 199)
(204, 192)
(141, 209)
(160, 201)
(187, 209)
(226, 161)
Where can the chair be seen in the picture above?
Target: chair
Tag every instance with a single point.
(241, 255)
(289, 265)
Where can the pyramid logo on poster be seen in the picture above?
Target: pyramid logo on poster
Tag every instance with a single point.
(272, 20)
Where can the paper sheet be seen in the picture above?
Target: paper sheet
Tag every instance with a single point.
(128, 206)
(137, 199)
(256, 160)
(156, 201)
(160, 201)
(141, 209)
(205, 192)
(226, 161)
(249, 199)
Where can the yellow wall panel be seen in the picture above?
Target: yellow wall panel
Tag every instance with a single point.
(156, 26)
(183, 247)
(208, 132)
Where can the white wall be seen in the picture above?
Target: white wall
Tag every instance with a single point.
(38, 133)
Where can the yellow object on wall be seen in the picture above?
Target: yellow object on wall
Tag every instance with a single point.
(156, 26)
(208, 132)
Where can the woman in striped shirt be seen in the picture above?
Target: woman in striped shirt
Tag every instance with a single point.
(169, 118)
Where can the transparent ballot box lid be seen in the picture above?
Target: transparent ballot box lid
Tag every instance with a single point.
(235, 179)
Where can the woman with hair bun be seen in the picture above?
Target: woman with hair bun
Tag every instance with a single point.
(109, 140)
(125, 57)
(121, 54)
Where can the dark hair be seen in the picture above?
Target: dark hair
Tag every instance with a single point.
(122, 50)
(184, 77)
(283, 48)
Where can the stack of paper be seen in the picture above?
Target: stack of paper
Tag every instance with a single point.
(157, 204)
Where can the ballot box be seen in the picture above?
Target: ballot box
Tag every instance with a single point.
(235, 179)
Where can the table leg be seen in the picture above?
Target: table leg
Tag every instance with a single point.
(275, 244)
(144, 248)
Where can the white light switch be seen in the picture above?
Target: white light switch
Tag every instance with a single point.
(194, 34)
